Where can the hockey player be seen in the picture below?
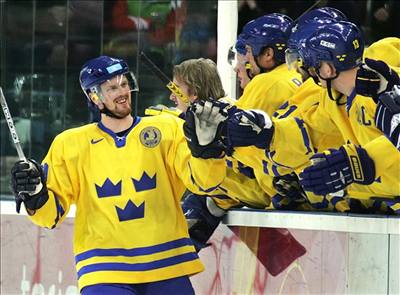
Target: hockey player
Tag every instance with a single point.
(126, 176)
(199, 80)
(262, 44)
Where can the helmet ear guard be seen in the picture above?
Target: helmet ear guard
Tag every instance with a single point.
(95, 97)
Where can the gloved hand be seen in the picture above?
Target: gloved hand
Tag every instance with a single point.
(289, 186)
(375, 77)
(387, 115)
(246, 128)
(161, 109)
(203, 128)
(203, 217)
(28, 184)
(334, 170)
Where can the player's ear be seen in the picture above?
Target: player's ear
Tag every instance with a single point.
(327, 70)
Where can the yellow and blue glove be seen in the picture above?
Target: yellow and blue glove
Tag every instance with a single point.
(334, 170)
(387, 115)
(203, 217)
(247, 128)
(375, 77)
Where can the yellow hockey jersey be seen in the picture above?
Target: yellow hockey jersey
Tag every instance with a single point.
(304, 102)
(355, 122)
(129, 226)
(268, 91)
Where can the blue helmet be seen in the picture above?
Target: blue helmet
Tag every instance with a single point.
(271, 30)
(299, 31)
(98, 70)
(340, 43)
(299, 36)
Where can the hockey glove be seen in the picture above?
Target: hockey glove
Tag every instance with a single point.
(203, 217)
(246, 128)
(375, 77)
(387, 115)
(203, 128)
(289, 186)
(334, 170)
(28, 184)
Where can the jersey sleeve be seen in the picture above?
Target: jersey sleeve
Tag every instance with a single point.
(269, 91)
(200, 176)
(387, 161)
(297, 138)
(62, 185)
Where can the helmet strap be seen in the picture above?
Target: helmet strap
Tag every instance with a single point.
(329, 87)
(110, 114)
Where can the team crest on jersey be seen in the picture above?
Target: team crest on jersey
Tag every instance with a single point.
(150, 136)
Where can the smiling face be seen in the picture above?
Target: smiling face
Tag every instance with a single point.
(115, 96)
(180, 105)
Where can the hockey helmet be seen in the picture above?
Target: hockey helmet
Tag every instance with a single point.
(101, 69)
(340, 43)
(271, 30)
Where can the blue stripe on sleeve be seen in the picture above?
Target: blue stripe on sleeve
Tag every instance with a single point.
(265, 167)
(275, 170)
(288, 112)
(208, 190)
(306, 140)
(60, 211)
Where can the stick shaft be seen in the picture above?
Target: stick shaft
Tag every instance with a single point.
(170, 85)
(11, 126)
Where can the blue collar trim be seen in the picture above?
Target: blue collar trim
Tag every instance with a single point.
(120, 141)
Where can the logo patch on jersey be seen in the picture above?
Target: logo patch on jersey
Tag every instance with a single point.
(94, 141)
(150, 137)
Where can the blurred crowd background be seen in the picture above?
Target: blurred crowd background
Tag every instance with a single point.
(43, 45)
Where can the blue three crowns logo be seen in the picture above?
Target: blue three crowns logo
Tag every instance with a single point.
(131, 211)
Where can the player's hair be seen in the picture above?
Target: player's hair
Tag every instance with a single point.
(201, 76)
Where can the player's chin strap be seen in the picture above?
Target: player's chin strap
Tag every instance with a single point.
(329, 88)
(108, 113)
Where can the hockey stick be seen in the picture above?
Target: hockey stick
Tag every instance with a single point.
(317, 3)
(170, 85)
(21, 195)
(11, 127)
